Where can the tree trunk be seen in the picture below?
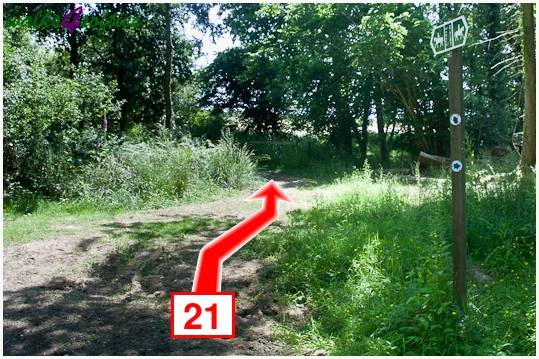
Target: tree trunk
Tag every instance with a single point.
(341, 135)
(345, 134)
(168, 68)
(120, 78)
(363, 143)
(384, 156)
(73, 44)
(528, 150)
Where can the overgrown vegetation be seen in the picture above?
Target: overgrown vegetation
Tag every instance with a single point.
(157, 173)
(373, 271)
(50, 119)
(104, 120)
(304, 89)
(312, 157)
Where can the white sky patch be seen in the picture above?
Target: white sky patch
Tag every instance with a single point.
(210, 49)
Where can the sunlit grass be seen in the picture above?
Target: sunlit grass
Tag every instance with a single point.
(374, 270)
(60, 218)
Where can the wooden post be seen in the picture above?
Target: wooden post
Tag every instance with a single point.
(456, 107)
(528, 43)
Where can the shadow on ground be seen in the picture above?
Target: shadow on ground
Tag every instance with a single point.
(122, 308)
(288, 181)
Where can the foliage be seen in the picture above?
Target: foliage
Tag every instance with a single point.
(324, 68)
(128, 56)
(123, 54)
(245, 82)
(199, 121)
(495, 97)
(302, 90)
(163, 171)
(48, 119)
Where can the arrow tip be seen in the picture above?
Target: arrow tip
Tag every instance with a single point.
(270, 189)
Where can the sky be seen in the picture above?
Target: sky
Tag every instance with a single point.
(210, 49)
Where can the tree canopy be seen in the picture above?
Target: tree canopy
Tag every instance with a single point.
(344, 74)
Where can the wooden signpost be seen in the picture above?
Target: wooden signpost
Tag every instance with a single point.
(451, 36)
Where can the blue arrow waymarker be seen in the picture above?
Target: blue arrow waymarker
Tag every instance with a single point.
(455, 119)
(456, 166)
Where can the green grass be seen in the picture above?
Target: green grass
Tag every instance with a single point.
(374, 271)
(130, 177)
(69, 217)
(52, 218)
(373, 268)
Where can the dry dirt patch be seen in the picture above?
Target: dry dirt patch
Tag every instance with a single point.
(105, 289)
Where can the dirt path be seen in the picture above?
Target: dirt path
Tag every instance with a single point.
(104, 290)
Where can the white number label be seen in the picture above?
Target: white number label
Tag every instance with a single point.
(196, 315)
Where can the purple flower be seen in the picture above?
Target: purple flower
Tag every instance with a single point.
(71, 20)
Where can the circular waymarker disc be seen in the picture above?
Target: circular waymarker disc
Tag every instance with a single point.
(456, 166)
(455, 119)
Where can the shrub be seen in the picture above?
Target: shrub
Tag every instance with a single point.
(227, 164)
(46, 118)
(136, 174)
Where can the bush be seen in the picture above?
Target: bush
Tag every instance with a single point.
(46, 118)
(226, 164)
(136, 174)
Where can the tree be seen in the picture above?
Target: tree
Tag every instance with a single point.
(528, 27)
(45, 15)
(339, 62)
(168, 67)
(334, 65)
(127, 55)
(73, 43)
(50, 119)
(310, 47)
(377, 53)
(241, 81)
(493, 90)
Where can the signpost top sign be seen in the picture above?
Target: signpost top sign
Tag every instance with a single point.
(449, 35)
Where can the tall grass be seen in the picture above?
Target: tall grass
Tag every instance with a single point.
(154, 174)
(142, 172)
(374, 271)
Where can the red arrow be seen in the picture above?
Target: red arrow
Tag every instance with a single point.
(213, 254)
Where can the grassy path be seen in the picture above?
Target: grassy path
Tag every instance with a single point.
(100, 286)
